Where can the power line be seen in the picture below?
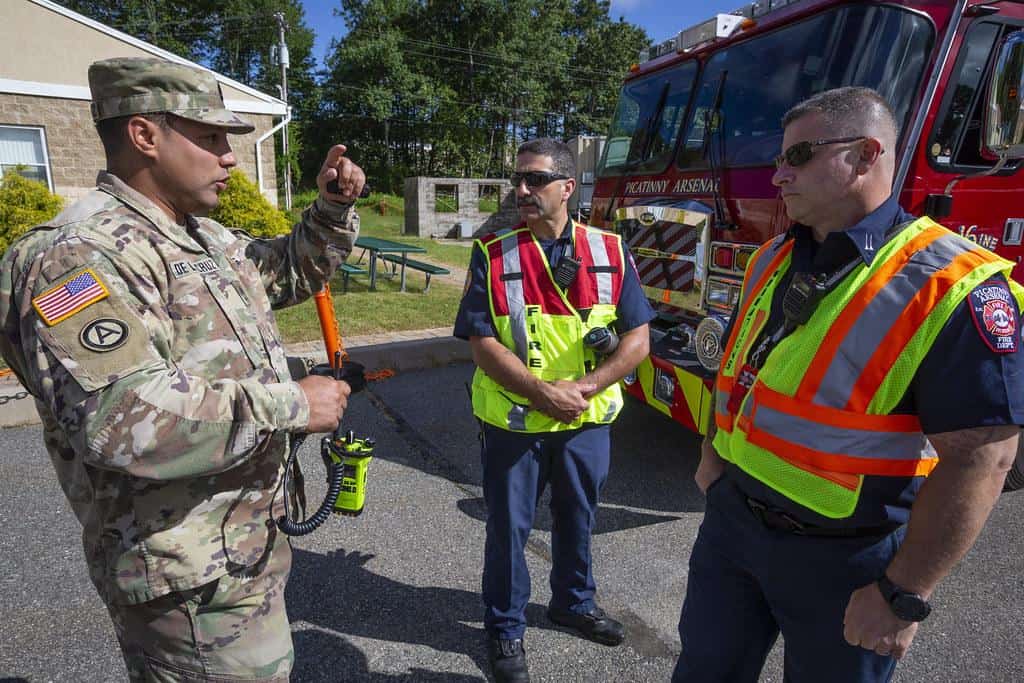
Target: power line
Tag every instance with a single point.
(523, 69)
(212, 19)
(443, 101)
(500, 57)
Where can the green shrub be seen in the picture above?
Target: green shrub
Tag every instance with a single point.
(395, 205)
(242, 206)
(378, 202)
(300, 200)
(384, 204)
(24, 203)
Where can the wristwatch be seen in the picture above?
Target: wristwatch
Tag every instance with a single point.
(904, 604)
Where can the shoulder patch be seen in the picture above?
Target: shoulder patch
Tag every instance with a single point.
(995, 316)
(104, 334)
(74, 294)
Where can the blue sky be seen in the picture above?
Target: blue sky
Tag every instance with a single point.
(660, 18)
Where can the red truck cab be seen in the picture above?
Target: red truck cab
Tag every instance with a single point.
(686, 171)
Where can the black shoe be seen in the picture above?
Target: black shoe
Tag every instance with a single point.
(508, 661)
(594, 625)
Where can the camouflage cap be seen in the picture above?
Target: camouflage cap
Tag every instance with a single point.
(141, 85)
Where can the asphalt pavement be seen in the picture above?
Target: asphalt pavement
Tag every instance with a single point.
(393, 595)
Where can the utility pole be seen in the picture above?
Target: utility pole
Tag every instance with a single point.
(282, 53)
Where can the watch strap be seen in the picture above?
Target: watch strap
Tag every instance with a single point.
(888, 588)
(897, 598)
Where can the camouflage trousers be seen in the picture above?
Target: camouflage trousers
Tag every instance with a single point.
(232, 629)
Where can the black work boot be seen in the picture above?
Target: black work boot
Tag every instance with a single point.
(508, 661)
(594, 625)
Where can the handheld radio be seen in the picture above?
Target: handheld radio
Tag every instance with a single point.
(346, 457)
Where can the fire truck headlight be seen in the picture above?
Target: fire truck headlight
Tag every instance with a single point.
(722, 293)
(709, 343)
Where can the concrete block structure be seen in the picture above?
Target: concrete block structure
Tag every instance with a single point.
(586, 151)
(458, 207)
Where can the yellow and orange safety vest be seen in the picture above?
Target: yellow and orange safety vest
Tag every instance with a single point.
(816, 420)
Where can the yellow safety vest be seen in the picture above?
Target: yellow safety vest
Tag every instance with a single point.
(816, 420)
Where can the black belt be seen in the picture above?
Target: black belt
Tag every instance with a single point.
(779, 520)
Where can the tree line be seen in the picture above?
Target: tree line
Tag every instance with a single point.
(414, 87)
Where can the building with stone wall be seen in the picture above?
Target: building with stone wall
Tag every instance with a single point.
(586, 152)
(458, 207)
(45, 122)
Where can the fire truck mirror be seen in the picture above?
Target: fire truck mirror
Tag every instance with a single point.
(1004, 120)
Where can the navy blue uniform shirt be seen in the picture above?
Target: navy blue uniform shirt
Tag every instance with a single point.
(962, 382)
(474, 317)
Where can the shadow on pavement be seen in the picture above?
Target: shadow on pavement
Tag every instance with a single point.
(653, 457)
(321, 656)
(609, 519)
(338, 593)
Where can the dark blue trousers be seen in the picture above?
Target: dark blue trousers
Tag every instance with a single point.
(516, 469)
(747, 582)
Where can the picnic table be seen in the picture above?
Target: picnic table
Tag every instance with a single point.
(378, 246)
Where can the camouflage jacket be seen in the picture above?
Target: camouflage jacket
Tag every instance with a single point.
(158, 371)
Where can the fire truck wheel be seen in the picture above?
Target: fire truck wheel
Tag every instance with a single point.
(1015, 477)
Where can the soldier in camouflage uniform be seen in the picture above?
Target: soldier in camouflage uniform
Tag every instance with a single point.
(145, 333)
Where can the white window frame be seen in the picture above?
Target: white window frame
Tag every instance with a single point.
(46, 151)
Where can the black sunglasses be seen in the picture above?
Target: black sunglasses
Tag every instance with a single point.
(535, 178)
(802, 152)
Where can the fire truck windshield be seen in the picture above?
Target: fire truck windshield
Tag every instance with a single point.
(879, 46)
(647, 121)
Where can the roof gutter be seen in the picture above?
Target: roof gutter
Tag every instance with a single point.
(259, 155)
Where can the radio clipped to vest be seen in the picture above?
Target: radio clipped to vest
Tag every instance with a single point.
(799, 302)
(565, 273)
(802, 297)
(568, 267)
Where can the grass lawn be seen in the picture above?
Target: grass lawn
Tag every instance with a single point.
(361, 311)
(385, 310)
(389, 226)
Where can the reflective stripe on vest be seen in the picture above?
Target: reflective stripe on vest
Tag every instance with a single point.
(895, 300)
(515, 300)
(601, 282)
(531, 315)
(861, 348)
(770, 260)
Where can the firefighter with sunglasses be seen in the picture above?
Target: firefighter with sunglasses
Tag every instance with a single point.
(866, 412)
(538, 299)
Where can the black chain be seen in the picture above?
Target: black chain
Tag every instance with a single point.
(16, 397)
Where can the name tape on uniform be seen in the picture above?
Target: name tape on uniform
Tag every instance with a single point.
(203, 266)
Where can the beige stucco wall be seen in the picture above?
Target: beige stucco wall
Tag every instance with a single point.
(75, 152)
(40, 45)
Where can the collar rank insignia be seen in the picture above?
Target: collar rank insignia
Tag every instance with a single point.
(995, 316)
(69, 297)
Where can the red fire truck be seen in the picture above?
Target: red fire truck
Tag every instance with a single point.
(685, 176)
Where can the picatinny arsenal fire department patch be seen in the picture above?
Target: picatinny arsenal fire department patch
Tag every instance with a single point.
(995, 315)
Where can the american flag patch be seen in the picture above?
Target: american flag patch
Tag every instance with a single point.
(69, 297)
